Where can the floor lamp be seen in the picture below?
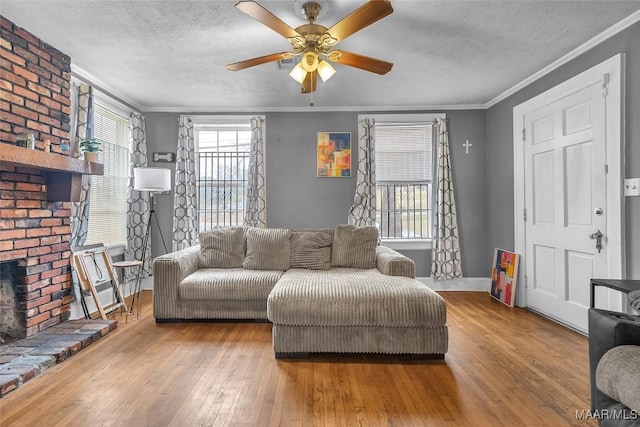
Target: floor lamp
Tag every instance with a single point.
(153, 180)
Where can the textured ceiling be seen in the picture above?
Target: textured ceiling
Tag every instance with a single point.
(171, 55)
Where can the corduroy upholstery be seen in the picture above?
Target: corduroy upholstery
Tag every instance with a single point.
(222, 248)
(392, 263)
(616, 378)
(348, 310)
(168, 271)
(310, 250)
(618, 375)
(359, 339)
(340, 309)
(353, 297)
(354, 246)
(228, 284)
(267, 249)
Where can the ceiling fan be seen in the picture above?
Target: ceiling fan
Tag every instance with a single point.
(313, 41)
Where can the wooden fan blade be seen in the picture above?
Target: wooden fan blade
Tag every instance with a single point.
(256, 61)
(365, 15)
(310, 83)
(362, 62)
(267, 18)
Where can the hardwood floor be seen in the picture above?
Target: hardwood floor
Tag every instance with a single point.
(505, 367)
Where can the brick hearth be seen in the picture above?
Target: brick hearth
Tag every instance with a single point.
(25, 359)
(35, 84)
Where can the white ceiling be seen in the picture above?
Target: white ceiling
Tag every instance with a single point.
(171, 55)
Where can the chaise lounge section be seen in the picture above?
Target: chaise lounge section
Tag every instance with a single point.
(345, 310)
(325, 290)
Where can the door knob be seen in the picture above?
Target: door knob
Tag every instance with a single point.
(598, 211)
(597, 236)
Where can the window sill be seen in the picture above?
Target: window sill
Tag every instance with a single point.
(116, 250)
(408, 244)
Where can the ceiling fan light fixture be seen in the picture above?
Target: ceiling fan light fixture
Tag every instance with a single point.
(298, 73)
(325, 70)
(309, 61)
(310, 40)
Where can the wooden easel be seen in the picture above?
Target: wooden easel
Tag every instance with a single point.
(94, 267)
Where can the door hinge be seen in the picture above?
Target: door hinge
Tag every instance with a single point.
(524, 214)
(524, 134)
(526, 281)
(605, 84)
(606, 169)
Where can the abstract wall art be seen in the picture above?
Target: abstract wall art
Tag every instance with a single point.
(333, 154)
(504, 276)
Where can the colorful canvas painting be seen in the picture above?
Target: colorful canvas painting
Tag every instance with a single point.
(334, 154)
(504, 275)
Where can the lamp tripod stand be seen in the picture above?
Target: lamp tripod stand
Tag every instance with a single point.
(145, 244)
(152, 180)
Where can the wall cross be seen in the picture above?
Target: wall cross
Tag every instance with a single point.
(466, 146)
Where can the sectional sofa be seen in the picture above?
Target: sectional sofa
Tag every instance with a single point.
(324, 290)
(614, 364)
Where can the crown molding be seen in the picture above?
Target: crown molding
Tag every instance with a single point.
(588, 45)
(358, 109)
(103, 87)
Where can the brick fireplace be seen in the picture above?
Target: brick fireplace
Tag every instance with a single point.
(35, 229)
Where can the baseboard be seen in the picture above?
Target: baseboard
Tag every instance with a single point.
(105, 293)
(146, 284)
(474, 284)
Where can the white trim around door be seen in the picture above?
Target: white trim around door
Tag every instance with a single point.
(610, 76)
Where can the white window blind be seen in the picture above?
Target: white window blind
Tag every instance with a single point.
(108, 208)
(403, 152)
(404, 167)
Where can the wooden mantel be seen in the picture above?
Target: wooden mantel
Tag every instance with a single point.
(63, 173)
(25, 157)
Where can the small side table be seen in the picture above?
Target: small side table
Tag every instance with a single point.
(624, 286)
(136, 286)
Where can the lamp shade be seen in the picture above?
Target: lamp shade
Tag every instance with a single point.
(298, 73)
(151, 179)
(325, 70)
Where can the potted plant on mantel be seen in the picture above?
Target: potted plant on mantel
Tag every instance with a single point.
(90, 147)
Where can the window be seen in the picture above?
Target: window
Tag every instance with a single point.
(108, 205)
(404, 169)
(223, 169)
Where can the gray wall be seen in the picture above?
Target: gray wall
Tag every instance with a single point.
(500, 224)
(162, 135)
(297, 198)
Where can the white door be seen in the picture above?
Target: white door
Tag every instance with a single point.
(565, 200)
(568, 189)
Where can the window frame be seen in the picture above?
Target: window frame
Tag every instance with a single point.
(399, 118)
(115, 107)
(217, 123)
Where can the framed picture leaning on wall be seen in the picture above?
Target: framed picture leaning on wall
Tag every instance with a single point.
(504, 276)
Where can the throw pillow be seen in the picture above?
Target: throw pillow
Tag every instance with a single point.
(222, 248)
(267, 249)
(634, 300)
(310, 250)
(354, 246)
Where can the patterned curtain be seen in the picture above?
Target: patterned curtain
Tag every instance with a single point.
(255, 214)
(138, 206)
(446, 260)
(185, 202)
(83, 129)
(363, 210)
